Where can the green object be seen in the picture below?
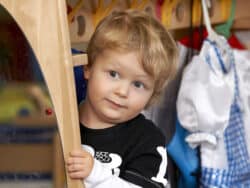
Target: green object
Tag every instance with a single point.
(225, 29)
(13, 100)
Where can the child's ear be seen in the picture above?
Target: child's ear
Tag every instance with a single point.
(86, 70)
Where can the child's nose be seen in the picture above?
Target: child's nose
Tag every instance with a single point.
(123, 89)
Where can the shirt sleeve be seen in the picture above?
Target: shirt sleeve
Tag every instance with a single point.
(101, 177)
(148, 166)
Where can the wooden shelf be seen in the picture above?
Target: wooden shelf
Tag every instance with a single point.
(37, 120)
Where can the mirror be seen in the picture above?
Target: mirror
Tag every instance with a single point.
(30, 147)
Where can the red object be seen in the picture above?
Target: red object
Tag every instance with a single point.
(158, 10)
(235, 43)
(199, 36)
(49, 111)
(69, 9)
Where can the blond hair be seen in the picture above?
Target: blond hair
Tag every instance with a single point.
(136, 31)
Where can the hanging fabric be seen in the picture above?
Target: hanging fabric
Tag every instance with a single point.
(238, 172)
(188, 163)
(186, 158)
(242, 65)
(209, 106)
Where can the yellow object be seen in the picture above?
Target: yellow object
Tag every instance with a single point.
(225, 9)
(196, 12)
(167, 11)
(13, 100)
(75, 10)
(138, 5)
(102, 11)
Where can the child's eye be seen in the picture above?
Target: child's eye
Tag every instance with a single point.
(139, 84)
(113, 74)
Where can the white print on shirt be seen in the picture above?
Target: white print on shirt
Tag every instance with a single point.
(109, 160)
(112, 161)
(162, 169)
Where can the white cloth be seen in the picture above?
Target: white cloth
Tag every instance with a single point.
(203, 106)
(243, 69)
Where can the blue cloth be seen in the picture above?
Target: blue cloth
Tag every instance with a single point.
(186, 158)
(80, 82)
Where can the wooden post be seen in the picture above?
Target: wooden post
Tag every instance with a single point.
(45, 25)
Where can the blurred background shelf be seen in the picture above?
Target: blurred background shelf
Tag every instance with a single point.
(31, 151)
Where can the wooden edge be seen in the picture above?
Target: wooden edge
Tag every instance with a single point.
(80, 59)
(69, 126)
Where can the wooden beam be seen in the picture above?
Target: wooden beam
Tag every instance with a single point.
(181, 14)
(80, 59)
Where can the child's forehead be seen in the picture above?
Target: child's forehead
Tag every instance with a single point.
(119, 54)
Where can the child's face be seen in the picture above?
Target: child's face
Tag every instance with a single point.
(118, 87)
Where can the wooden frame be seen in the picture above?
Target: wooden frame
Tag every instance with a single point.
(44, 23)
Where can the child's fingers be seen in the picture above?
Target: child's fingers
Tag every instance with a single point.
(75, 160)
(79, 164)
(79, 167)
(78, 171)
(75, 167)
(77, 175)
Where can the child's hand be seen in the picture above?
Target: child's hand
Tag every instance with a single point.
(79, 164)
